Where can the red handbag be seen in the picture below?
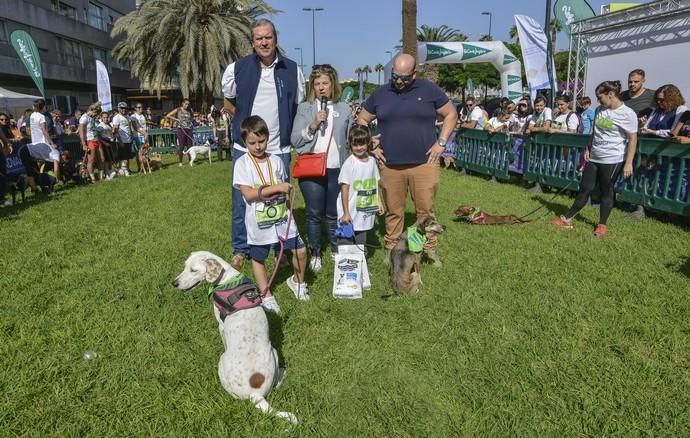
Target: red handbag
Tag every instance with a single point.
(312, 165)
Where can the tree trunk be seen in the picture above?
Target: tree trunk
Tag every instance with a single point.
(409, 27)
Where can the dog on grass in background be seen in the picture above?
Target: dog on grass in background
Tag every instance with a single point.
(194, 151)
(143, 159)
(248, 369)
(404, 263)
(474, 216)
(156, 162)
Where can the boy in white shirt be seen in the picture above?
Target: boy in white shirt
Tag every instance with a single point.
(360, 198)
(500, 123)
(262, 178)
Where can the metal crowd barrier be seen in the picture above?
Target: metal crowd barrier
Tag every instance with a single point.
(485, 153)
(661, 177)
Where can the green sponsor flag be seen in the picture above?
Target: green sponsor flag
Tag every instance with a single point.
(28, 53)
(507, 59)
(470, 86)
(348, 94)
(512, 95)
(469, 51)
(570, 11)
(435, 52)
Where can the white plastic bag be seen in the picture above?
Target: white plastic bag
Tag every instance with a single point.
(358, 250)
(347, 278)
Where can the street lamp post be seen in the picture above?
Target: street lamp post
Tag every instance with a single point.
(301, 60)
(490, 16)
(313, 29)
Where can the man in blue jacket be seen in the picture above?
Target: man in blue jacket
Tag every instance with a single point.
(269, 85)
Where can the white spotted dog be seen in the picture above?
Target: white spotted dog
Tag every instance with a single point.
(204, 149)
(248, 368)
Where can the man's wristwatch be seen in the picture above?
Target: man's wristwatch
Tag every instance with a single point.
(442, 142)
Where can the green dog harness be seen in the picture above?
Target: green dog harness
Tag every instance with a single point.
(415, 240)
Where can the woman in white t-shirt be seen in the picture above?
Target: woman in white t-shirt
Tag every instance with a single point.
(499, 123)
(322, 130)
(566, 121)
(541, 119)
(613, 144)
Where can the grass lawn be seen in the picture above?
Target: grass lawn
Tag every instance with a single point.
(526, 330)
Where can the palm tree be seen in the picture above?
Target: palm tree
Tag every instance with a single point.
(192, 42)
(366, 70)
(378, 69)
(555, 27)
(409, 27)
(358, 72)
(437, 34)
(513, 34)
(485, 37)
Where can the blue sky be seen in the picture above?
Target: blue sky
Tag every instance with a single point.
(352, 33)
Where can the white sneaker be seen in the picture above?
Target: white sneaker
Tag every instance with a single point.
(270, 304)
(315, 264)
(179, 164)
(300, 290)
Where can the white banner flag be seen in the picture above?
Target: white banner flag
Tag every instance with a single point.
(533, 44)
(103, 86)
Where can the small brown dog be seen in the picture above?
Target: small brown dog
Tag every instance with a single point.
(405, 263)
(143, 160)
(156, 162)
(475, 216)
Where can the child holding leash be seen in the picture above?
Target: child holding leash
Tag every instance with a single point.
(262, 180)
(360, 199)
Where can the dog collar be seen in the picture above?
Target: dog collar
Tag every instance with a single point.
(477, 216)
(233, 282)
(415, 240)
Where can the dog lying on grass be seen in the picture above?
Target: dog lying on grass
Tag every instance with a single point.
(475, 216)
(204, 149)
(248, 369)
(405, 261)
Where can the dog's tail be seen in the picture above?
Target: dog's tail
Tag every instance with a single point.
(261, 403)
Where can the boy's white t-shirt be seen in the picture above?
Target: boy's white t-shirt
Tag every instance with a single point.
(121, 126)
(363, 179)
(265, 221)
(91, 128)
(539, 119)
(105, 131)
(561, 120)
(611, 130)
(139, 121)
(478, 115)
(35, 121)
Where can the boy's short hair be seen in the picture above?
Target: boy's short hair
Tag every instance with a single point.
(585, 101)
(359, 134)
(255, 125)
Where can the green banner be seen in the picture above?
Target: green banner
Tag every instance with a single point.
(469, 51)
(570, 11)
(513, 79)
(470, 86)
(28, 53)
(435, 52)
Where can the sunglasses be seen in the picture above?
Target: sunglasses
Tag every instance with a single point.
(3, 120)
(660, 99)
(403, 78)
(523, 105)
(321, 67)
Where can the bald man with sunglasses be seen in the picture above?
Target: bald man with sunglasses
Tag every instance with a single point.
(406, 147)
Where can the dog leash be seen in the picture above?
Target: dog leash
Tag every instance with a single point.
(544, 205)
(281, 239)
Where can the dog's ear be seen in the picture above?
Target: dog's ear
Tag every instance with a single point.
(213, 270)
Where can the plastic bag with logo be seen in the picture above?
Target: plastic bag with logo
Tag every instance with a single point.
(347, 276)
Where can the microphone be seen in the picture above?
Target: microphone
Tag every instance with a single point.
(324, 101)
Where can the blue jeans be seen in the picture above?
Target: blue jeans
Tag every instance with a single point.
(320, 199)
(239, 230)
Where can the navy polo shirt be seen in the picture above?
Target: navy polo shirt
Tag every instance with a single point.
(406, 121)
